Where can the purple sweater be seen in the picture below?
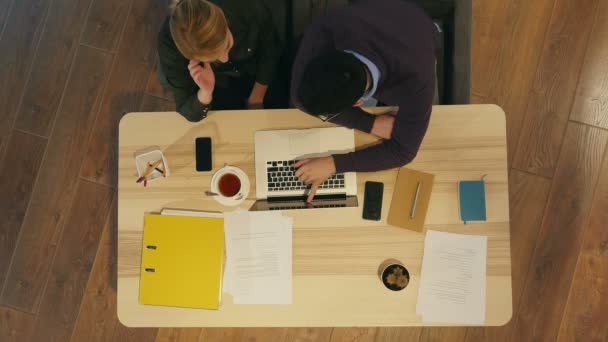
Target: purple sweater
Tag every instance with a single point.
(401, 40)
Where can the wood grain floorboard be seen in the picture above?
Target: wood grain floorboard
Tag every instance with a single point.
(179, 335)
(18, 45)
(528, 196)
(97, 319)
(588, 300)
(15, 326)
(353, 334)
(125, 89)
(155, 104)
(517, 61)
(308, 335)
(587, 310)
(105, 24)
(56, 183)
(124, 334)
(596, 237)
(264, 334)
(17, 177)
(154, 87)
(480, 99)
(558, 244)
(73, 263)
(5, 7)
(489, 30)
(52, 64)
(3, 144)
(455, 334)
(398, 334)
(591, 104)
(554, 87)
(222, 334)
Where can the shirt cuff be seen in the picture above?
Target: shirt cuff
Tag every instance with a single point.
(193, 110)
(366, 122)
(344, 163)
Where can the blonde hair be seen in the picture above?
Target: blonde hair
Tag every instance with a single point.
(198, 27)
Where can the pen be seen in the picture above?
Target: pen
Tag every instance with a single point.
(415, 201)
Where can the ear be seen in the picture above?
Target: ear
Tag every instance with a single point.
(359, 103)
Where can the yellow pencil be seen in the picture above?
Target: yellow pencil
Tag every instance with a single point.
(148, 171)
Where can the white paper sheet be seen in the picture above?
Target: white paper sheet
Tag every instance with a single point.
(258, 257)
(192, 213)
(453, 279)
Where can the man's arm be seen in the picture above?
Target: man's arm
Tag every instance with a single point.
(356, 118)
(409, 128)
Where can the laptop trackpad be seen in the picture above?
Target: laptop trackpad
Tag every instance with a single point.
(304, 142)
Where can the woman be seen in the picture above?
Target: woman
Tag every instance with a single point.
(219, 54)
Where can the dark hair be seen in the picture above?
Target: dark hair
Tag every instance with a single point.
(331, 83)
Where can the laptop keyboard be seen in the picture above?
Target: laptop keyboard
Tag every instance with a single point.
(281, 177)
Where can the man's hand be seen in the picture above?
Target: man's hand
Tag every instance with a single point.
(256, 99)
(383, 126)
(204, 78)
(315, 171)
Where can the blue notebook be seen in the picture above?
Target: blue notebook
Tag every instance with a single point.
(472, 197)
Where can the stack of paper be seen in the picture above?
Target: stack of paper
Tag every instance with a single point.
(258, 257)
(453, 279)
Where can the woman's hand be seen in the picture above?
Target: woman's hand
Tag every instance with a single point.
(256, 99)
(204, 78)
(315, 171)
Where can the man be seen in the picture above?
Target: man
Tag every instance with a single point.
(381, 49)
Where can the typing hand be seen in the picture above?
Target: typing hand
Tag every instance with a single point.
(315, 171)
(204, 78)
(383, 126)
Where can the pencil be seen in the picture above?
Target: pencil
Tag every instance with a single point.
(148, 171)
(157, 169)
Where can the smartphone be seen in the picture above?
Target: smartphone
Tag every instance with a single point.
(203, 154)
(372, 201)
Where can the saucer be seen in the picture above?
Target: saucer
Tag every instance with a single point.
(243, 193)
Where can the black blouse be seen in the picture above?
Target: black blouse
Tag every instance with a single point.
(256, 52)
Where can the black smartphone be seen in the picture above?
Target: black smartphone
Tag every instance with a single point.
(372, 201)
(203, 155)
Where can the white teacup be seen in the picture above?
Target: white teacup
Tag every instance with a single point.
(231, 185)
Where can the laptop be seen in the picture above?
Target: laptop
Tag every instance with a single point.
(277, 187)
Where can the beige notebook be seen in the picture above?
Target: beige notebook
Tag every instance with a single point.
(403, 212)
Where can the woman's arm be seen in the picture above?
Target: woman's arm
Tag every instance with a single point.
(256, 99)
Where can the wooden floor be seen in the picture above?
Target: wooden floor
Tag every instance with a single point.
(70, 68)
